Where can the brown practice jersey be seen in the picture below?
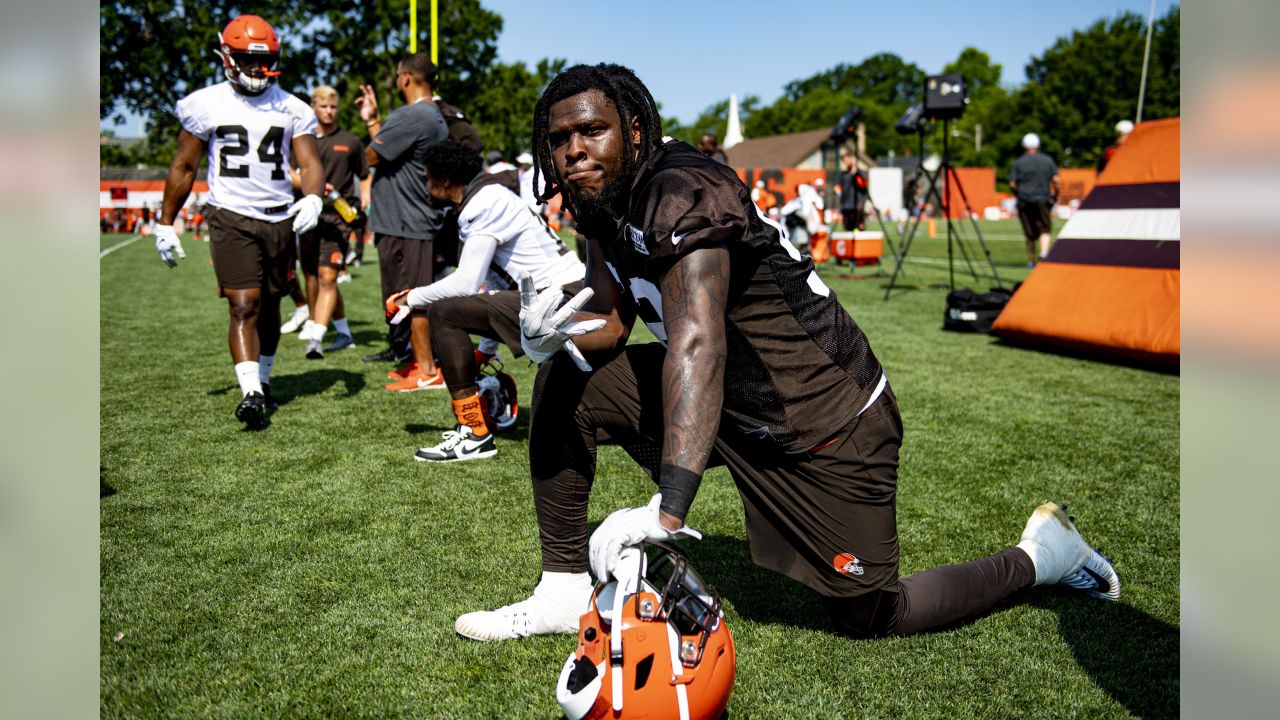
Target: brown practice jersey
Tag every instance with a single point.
(343, 160)
(798, 366)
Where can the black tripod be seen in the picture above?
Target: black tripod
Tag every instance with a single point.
(939, 182)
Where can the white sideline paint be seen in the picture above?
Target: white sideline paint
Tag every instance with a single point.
(119, 245)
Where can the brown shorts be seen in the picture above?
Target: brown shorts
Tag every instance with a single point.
(249, 253)
(404, 263)
(825, 518)
(1034, 217)
(325, 246)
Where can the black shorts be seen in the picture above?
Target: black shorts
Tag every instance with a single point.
(1034, 217)
(404, 263)
(325, 246)
(249, 253)
(825, 518)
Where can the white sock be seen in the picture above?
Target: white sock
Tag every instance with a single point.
(302, 310)
(488, 346)
(265, 364)
(312, 330)
(247, 374)
(340, 325)
(562, 584)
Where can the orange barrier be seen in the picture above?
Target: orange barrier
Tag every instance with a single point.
(1129, 311)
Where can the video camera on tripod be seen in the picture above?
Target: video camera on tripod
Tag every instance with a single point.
(945, 99)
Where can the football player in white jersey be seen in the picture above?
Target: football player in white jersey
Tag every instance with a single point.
(250, 128)
(502, 240)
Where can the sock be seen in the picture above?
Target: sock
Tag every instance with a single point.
(247, 374)
(340, 324)
(565, 584)
(265, 363)
(301, 311)
(488, 346)
(470, 412)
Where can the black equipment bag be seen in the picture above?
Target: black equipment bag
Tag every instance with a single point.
(969, 311)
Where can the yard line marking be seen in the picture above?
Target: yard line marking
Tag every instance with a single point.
(117, 246)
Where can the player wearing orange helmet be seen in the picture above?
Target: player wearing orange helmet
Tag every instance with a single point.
(251, 129)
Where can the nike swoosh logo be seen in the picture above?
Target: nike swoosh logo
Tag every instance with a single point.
(534, 337)
(675, 239)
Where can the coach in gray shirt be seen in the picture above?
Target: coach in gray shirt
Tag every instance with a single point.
(1034, 179)
(403, 221)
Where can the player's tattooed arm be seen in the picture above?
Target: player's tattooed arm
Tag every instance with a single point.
(605, 304)
(182, 175)
(695, 292)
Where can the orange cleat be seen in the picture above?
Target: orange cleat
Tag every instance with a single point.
(417, 380)
(403, 372)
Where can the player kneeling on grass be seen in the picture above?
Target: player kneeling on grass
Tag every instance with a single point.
(250, 128)
(500, 240)
(758, 368)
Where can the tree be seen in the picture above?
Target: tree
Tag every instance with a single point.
(1077, 90)
(882, 86)
(155, 52)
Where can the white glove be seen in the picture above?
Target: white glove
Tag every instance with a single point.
(306, 213)
(544, 329)
(169, 246)
(624, 528)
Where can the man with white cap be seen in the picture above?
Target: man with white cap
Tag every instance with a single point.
(524, 164)
(1123, 128)
(1034, 179)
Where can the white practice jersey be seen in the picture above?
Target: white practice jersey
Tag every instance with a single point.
(250, 142)
(526, 246)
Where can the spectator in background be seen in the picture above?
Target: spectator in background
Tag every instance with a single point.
(1034, 179)
(505, 173)
(710, 146)
(524, 171)
(803, 215)
(765, 200)
(1123, 128)
(322, 252)
(853, 194)
(403, 221)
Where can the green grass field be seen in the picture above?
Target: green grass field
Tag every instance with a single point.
(315, 570)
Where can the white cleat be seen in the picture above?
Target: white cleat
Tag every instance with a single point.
(295, 320)
(546, 613)
(1061, 556)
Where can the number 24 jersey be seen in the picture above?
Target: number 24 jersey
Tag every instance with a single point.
(250, 141)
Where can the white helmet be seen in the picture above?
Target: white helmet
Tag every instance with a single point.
(1124, 127)
(1031, 141)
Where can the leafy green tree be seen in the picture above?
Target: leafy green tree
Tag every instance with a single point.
(155, 52)
(1082, 85)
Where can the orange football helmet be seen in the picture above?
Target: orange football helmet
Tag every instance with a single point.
(654, 645)
(250, 52)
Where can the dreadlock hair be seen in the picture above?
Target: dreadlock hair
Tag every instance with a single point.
(629, 96)
(451, 160)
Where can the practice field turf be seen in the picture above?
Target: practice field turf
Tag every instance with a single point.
(315, 570)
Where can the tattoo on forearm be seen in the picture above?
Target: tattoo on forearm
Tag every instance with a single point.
(694, 293)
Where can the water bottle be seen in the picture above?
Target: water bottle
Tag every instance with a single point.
(343, 207)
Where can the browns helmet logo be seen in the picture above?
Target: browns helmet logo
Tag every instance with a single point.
(847, 564)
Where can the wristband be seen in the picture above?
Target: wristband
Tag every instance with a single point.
(678, 486)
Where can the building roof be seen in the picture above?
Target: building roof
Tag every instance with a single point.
(777, 151)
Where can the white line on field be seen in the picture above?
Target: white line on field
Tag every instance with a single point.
(119, 245)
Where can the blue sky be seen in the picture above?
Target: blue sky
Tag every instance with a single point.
(692, 54)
